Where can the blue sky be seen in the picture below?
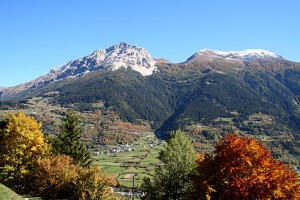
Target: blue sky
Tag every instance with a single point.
(36, 36)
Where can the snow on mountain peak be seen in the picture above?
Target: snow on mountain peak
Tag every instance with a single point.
(245, 55)
(113, 58)
(125, 55)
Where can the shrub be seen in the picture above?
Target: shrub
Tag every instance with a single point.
(58, 177)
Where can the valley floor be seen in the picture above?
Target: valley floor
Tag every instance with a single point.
(126, 162)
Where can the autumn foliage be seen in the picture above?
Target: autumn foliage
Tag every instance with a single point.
(243, 168)
(22, 144)
(239, 168)
(58, 177)
(52, 176)
(27, 166)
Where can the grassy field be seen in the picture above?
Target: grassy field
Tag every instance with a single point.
(138, 163)
(8, 194)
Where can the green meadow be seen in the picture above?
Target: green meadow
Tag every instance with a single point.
(137, 163)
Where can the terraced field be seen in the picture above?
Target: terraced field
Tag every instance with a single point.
(139, 162)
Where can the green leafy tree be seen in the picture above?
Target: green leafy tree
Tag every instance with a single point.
(171, 179)
(22, 144)
(69, 141)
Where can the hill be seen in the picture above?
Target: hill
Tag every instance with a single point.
(8, 194)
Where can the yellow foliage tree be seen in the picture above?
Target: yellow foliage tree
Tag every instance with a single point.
(22, 144)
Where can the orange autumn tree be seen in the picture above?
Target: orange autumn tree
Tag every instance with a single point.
(57, 177)
(242, 168)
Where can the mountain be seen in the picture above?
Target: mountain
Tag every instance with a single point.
(2, 88)
(246, 55)
(113, 58)
(253, 92)
(238, 60)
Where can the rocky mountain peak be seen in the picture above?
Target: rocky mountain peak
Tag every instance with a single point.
(113, 58)
(125, 55)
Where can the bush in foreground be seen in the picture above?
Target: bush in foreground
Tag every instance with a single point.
(57, 177)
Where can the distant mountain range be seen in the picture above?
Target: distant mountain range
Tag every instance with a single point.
(126, 56)
(254, 92)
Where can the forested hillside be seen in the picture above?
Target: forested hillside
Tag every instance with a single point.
(258, 97)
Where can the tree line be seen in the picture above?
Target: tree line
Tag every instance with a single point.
(59, 168)
(239, 168)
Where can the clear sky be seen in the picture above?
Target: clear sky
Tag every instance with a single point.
(38, 35)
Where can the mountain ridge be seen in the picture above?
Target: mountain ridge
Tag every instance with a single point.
(249, 55)
(113, 58)
(244, 54)
(100, 54)
(124, 55)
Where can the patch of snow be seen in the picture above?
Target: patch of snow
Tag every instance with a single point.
(86, 72)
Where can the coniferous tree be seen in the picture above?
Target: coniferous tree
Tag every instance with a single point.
(69, 141)
(171, 179)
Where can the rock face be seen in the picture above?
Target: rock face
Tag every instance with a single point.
(113, 58)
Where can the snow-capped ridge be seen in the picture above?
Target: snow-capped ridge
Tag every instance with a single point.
(124, 55)
(245, 55)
